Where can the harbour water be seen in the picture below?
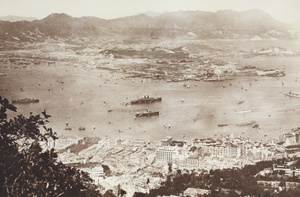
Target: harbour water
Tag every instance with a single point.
(96, 99)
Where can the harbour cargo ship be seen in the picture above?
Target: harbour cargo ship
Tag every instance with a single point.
(25, 100)
(145, 100)
(147, 113)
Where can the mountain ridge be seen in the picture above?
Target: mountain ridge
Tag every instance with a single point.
(203, 24)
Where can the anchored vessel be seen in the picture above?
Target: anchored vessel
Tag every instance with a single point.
(222, 125)
(25, 100)
(246, 123)
(146, 99)
(241, 101)
(147, 113)
(243, 111)
(292, 94)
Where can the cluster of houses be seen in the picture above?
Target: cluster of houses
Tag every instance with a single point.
(225, 152)
(126, 162)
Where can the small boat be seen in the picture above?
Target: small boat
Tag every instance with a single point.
(246, 123)
(256, 125)
(241, 101)
(292, 94)
(243, 111)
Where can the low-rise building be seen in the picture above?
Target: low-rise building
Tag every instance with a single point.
(194, 192)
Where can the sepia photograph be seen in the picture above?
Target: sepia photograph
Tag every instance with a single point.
(138, 98)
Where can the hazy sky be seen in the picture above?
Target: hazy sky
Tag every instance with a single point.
(287, 11)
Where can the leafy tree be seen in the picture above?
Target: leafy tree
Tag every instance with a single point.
(170, 167)
(139, 194)
(29, 169)
(109, 193)
(232, 193)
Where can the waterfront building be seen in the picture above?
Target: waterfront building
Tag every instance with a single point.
(290, 139)
(105, 142)
(167, 141)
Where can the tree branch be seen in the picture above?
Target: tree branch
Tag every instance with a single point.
(6, 186)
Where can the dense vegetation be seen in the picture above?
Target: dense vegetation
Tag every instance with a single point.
(226, 182)
(27, 168)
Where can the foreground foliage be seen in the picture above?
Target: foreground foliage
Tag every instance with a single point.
(29, 166)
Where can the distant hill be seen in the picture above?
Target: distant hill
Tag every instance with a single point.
(16, 18)
(199, 24)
